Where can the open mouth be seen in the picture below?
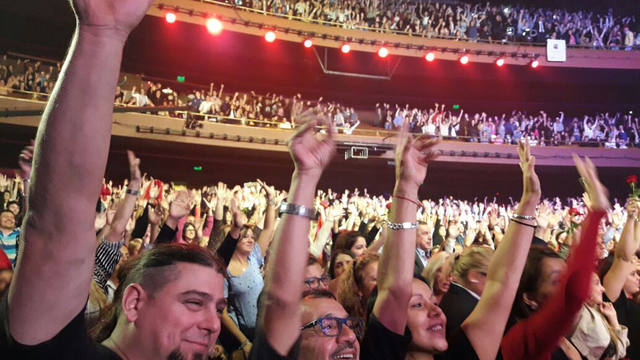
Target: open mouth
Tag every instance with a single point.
(438, 328)
(348, 353)
(344, 356)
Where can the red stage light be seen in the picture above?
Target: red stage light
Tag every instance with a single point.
(270, 36)
(345, 48)
(170, 17)
(383, 52)
(430, 56)
(535, 64)
(464, 59)
(308, 43)
(500, 62)
(214, 26)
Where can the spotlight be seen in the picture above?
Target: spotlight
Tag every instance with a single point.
(464, 59)
(170, 17)
(270, 36)
(500, 62)
(534, 64)
(214, 26)
(307, 43)
(345, 48)
(430, 56)
(383, 52)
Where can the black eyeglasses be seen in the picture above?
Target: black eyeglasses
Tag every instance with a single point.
(315, 282)
(332, 326)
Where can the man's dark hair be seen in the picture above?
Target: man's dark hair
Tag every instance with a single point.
(152, 270)
(11, 203)
(8, 211)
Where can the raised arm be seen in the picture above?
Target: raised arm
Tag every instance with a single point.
(537, 336)
(266, 235)
(284, 279)
(623, 262)
(71, 151)
(485, 325)
(126, 206)
(395, 273)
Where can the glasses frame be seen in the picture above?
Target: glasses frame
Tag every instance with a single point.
(322, 279)
(341, 322)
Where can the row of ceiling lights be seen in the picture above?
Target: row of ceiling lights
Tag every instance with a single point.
(215, 27)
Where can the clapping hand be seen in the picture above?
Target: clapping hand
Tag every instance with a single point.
(412, 158)
(310, 153)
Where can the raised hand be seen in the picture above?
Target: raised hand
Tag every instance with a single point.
(134, 168)
(116, 16)
(24, 160)
(239, 218)
(310, 153)
(530, 181)
(412, 158)
(155, 215)
(598, 194)
(181, 204)
(269, 190)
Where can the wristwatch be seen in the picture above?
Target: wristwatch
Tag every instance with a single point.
(298, 210)
(402, 226)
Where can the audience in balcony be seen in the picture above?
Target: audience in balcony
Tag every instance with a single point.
(464, 21)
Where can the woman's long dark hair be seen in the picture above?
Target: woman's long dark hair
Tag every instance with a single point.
(529, 281)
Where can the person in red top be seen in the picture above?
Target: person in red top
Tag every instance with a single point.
(551, 291)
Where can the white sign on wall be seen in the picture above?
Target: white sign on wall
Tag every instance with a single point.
(556, 50)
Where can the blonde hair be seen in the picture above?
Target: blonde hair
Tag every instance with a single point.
(134, 246)
(472, 258)
(436, 262)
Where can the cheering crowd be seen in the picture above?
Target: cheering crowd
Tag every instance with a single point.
(463, 21)
(612, 131)
(149, 270)
(617, 130)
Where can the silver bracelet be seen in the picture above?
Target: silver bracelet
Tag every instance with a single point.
(402, 226)
(523, 217)
(298, 210)
(132, 192)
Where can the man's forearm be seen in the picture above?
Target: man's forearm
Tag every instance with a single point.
(123, 214)
(71, 159)
(285, 272)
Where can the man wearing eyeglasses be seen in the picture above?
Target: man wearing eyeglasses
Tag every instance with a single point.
(317, 326)
(327, 331)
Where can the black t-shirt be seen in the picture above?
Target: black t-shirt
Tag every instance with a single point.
(459, 348)
(378, 343)
(72, 342)
(629, 315)
(382, 343)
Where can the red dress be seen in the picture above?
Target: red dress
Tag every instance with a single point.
(536, 337)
